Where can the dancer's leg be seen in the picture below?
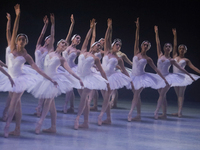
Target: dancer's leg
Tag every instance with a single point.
(84, 95)
(181, 100)
(114, 97)
(53, 114)
(5, 115)
(162, 101)
(95, 101)
(45, 110)
(69, 97)
(39, 107)
(136, 98)
(14, 103)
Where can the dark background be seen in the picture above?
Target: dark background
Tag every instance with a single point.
(167, 14)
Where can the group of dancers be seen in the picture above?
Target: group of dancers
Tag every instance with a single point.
(54, 72)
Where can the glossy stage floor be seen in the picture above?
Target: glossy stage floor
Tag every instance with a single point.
(173, 133)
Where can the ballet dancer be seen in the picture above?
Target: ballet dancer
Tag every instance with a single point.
(140, 78)
(174, 79)
(182, 61)
(110, 60)
(23, 81)
(41, 52)
(70, 55)
(91, 80)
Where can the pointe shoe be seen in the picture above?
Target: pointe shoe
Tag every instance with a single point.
(4, 118)
(49, 130)
(6, 131)
(70, 110)
(179, 115)
(99, 121)
(107, 121)
(16, 132)
(94, 108)
(38, 112)
(76, 124)
(84, 125)
(162, 117)
(156, 116)
(137, 118)
(38, 128)
(175, 114)
(129, 118)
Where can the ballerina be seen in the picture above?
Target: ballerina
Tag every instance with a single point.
(110, 60)
(91, 81)
(41, 52)
(140, 78)
(70, 55)
(182, 61)
(174, 79)
(23, 81)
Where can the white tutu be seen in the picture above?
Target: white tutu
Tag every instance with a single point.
(91, 80)
(46, 89)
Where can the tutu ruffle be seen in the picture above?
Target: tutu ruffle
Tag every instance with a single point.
(46, 89)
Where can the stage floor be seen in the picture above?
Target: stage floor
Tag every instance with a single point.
(148, 134)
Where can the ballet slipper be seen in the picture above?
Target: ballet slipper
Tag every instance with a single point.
(155, 116)
(175, 114)
(99, 120)
(6, 131)
(129, 118)
(76, 124)
(137, 118)
(16, 132)
(4, 118)
(38, 112)
(179, 115)
(50, 130)
(94, 108)
(84, 125)
(162, 116)
(70, 110)
(107, 121)
(38, 127)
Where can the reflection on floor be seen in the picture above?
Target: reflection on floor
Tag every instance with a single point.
(173, 133)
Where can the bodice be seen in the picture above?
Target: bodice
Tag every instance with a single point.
(109, 64)
(164, 66)
(70, 58)
(138, 66)
(39, 58)
(181, 63)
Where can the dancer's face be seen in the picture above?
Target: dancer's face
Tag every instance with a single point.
(182, 50)
(145, 46)
(97, 47)
(21, 41)
(77, 40)
(117, 46)
(167, 48)
(102, 41)
(62, 45)
(47, 41)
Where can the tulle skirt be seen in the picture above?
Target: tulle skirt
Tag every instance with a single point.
(46, 89)
(147, 80)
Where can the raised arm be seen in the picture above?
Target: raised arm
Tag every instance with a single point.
(41, 37)
(70, 29)
(136, 46)
(159, 52)
(87, 38)
(8, 28)
(107, 44)
(93, 35)
(175, 43)
(15, 27)
(51, 39)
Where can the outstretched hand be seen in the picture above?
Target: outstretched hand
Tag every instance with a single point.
(137, 22)
(52, 17)
(8, 16)
(156, 28)
(46, 20)
(92, 22)
(109, 22)
(72, 18)
(17, 9)
(174, 31)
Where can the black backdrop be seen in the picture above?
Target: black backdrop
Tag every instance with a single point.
(167, 14)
